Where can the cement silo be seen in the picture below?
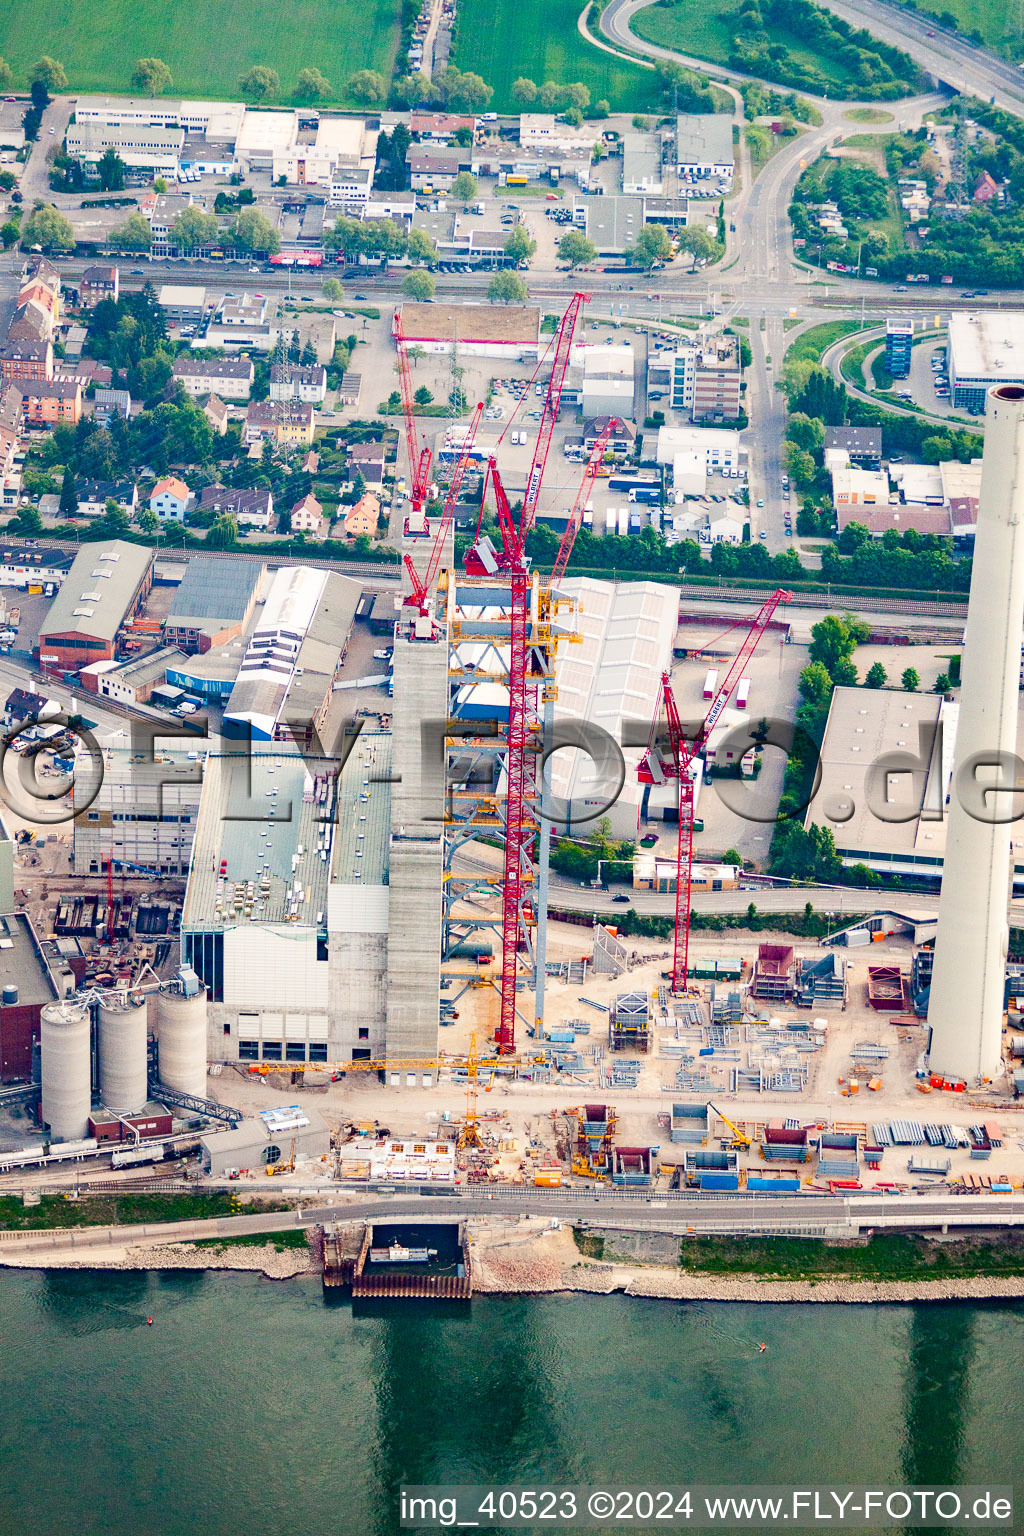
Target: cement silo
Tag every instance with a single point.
(65, 1044)
(965, 1007)
(181, 1040)
(124, 1084)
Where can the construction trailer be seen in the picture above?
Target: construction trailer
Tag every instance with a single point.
(629, 1023)
(821, 983)
(689, 1123)
(634, 1165)
(773, 973)
(888, 989)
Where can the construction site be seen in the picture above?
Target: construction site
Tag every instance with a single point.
(391, 985)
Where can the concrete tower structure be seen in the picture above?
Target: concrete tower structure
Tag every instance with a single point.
(966, 1004)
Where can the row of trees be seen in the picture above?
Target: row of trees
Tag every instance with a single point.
(878, 71)
(458, 90)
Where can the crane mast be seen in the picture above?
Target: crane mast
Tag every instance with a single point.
(423, 586)
(572, 528)
(419, 458)
(655, 768)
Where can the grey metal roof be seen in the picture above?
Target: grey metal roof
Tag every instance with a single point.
(100, 618)
(215, 589)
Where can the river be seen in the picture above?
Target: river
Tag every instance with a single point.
(252, 1408)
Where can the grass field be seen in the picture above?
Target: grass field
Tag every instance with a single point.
(809, 345)
(868, 115)
(503, 39)
(206, 46)
(988, 17)
(701, 32)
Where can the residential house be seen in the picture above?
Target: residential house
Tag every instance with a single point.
(50, 401)
(308, 516)
(93, 496)
(433, 167)
(622, 438)
(290, 381)
(362, 518)
(286, 423)
(367, 459)
(249, 508)
(986, 189)
(26, 565)
(108, 403)
(170, 499)
(229, 377)
(862, 445)
(216, 413)
(97, 284)
(311, 462)
(26, 360)
(439, 127)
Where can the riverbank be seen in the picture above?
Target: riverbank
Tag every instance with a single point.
(538, 1259)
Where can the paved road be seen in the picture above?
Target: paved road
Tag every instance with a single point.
(808, 1214)
(832, 359)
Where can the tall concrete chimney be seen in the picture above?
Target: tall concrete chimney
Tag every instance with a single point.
(966, 1003)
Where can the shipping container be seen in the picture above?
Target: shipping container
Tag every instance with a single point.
(710, 684)
(742, 692)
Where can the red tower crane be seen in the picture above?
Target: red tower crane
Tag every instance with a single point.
(423, 586)
(572, 527)
(549, 412)
(653, 768)
(419, 457)
(483, 559)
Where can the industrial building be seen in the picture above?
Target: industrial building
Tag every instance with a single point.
(705, 158)
(608, 382)
(106, 587)
(292, 656)
(612, 678)
(985, 350)
(131, 681)
(716, 448)
(477, 330)
(213, 603)
(27, 984)
(143, 817)
(280, 1135)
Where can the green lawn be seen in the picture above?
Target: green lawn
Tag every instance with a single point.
(700, 31)
(989, 17)
(809, 345)
(868, 115)
(503, 39)
(206, 47)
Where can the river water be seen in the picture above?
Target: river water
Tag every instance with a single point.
(252, 1408)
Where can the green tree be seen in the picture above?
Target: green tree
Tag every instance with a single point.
(816, 685)
(251, 231)
(575, 249)
(464, 91)
(910, 680)
(942, 683)
(148, 520)
(577, 95)
(651, 244)
(418, 285)
(68, 506)
(518, 246)
(332, 290)
(159, 185)
(50, 73)
(420, 248)
(368, 87)
(806, 431)
(48, 228)
(383, 238)
(111, 169)
(800, 466)
(134, 234)
(464, 187)
(641, 123)
(28, 521)
(601, 108)
(834, 639)
(259, 83)
(507, 288)
(524, 91)
(151, 77)
(698, 242)
(222, 532)
(6, 75)
(423, 396)
(344, 235)
(877, 676)
(312, 86)
(8, 234)
(192, 228)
